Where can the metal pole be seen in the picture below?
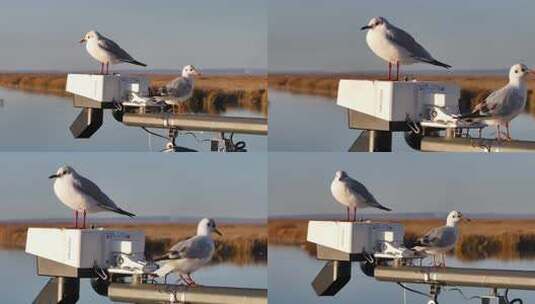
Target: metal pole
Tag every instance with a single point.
(59, 290)
(470, 277)
(256, 126)
(156, 293)
(441, 144)
(380, 141)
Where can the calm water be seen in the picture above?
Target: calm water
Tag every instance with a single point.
(36, 122)
(291, 271)
(20, 284)
(316, 123)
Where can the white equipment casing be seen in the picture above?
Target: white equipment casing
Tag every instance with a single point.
(84, 248)
(355, 237)
(107, 88)
(397, 100)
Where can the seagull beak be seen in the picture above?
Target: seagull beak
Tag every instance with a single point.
(53, 176)
(366, 27)
(218, 232)
(82, 40)
(467, 219)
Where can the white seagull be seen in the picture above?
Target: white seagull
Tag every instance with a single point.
(396, 46)
(189, 255)
(106, 51)
(181, 88)
(81, 194)
(440, 240)
(503, 105)
(352, 194)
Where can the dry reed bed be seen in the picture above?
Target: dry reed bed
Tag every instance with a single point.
(473, 88)
(504, 239)
(240, 243)
(213, 94)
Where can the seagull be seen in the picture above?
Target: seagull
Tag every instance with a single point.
(503, 105)
(180, 89)
(353, 194)
(81, 194)
(106, 51)
(396, 46)
(440, 240)
(189, 255)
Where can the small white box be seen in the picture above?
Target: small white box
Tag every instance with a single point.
(83, 248)
(106, 88)
(355, 237)
(396, 100)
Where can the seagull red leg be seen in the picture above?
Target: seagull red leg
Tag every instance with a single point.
(389, 70)
(84, 220)
(347, 209)
(193, 284)
(75, 219)
(397, 70)
(354, 214)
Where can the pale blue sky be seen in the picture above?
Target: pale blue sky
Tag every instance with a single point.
(299, 183)
(147, 184)
(44, 35)
(324, 35)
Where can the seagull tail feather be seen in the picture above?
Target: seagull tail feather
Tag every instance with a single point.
(117, 210)
(160, 258)
(441, 64)
(433, 62)
(121, 211)
(135, 62)
(383, 207)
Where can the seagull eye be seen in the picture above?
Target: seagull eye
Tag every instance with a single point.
(516, 71)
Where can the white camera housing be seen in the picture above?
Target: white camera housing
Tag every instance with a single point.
(379, 239)
(85, 248)
(397, 101)
(107, 88)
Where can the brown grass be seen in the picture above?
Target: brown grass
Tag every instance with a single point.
(504, 239)
(213, 94)
(240, 243)
(473, 88)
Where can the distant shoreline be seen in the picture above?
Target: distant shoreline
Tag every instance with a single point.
(240, 243)
(474, 88)
(504, 239)
(212, 94)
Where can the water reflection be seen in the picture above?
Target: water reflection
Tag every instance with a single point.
(20, 284)
(315, 123)
(37, 122)
(291, 270)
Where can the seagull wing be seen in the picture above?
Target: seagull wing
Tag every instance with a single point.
(438, 237)
(112, 47)
(500, 103)
(121, 55)
(359, 189)
(197, 247)
(89, 188)
(179, 87)
(413, 48)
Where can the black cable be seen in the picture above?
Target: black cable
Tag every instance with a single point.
(414, 290)
(513, 301)
(154, 133)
